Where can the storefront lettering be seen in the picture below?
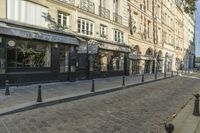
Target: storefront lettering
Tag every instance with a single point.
(38, 35)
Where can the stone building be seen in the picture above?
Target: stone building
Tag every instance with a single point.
(68, 40)
(161, 36)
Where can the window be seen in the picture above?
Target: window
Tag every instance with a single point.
(103, 56)
(103, 3)
(29, 54)
(85, 27)
(63, 20)
(27, 12)
(118, 36)
(64, 58)
(148, 29)
(116, 6)
(2, 57)
(117, 61)
(103, 32)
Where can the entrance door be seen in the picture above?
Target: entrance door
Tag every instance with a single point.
(82, 67)
(147, 66)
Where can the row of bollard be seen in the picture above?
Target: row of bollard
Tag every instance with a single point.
(39, 96)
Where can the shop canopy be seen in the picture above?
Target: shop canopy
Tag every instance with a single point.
(36, 34)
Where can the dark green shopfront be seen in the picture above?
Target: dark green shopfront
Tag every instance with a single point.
(30, 55)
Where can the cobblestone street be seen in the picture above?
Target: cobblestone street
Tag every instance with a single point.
(141, 109)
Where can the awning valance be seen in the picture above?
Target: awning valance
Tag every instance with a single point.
(92, 47)
(39, 35)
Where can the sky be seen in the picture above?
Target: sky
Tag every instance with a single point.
(197, 39)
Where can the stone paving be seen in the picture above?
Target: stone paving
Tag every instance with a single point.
(26, 94)
(141, 109)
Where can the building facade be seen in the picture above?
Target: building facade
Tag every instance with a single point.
(59, 40)
(161, 36)
(68, 40)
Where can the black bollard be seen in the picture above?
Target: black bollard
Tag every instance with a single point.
(7, 92)
(169, 127)
(142, 77)
(39, 97)
(172, 74)
(177, 72)
(156, 75)
(93, 87)
(165, 74)
(196, 105)
(123, 81)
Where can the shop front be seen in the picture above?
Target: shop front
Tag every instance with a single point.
(29, 55)
(134, 59)
(104, 59)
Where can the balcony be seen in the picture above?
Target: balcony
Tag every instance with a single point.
(103, 12)
(70, 2)
(87, 5)
(117, 18)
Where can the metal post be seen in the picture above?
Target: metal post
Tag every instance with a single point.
(7, 92)
(196, 105)
(177, 72)
(172, 74)
(39, 97)
(165, 74)
(156, 74)
(169, 127)
(142, 77)
(93, 87)
(123, 81)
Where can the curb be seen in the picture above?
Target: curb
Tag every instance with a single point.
(63, 99)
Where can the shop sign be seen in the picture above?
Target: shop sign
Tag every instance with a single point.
(38, 35)
(114, 47)
(82, 49)
(11, 43)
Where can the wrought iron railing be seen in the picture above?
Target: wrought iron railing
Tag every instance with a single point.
(103, 12)
(117, 18)
(71, 2)
(87, 5)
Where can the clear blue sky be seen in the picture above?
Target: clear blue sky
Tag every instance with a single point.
(197, 41)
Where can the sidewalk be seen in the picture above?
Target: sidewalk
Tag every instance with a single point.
(26, 96)
(185, 122)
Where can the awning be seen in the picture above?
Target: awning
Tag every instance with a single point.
(92, 47)
(39, 35)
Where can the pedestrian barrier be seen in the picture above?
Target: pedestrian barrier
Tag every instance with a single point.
(93, 86)
(156, 75)
(123, 81)
(165, 74)
(7, 92)
(39, 96)
(142, 77)
(196, 105)
(169, 127)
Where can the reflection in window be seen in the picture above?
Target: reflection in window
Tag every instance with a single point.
(113, 60)
(103, 61)
(29, 54)
(117, 61)
(64, 58)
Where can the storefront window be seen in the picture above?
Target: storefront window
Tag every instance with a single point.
(28, 54)
(117, 60)
(64, 58)
(104, 61)
(2, 57)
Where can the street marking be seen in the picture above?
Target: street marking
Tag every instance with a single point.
(193, 77)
